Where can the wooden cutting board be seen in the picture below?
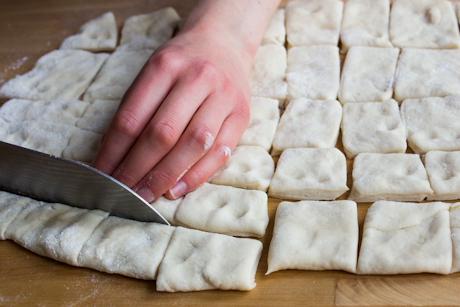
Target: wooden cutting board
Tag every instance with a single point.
(28, 30)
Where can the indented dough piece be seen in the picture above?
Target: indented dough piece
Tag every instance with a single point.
(422, 73)
(197, 260)
(368, 74)
(99, 34)
(314, 235)
(404, 238)
(60, 74)
(313, 72)
(365, 23)
(117, 74)
(268, 73)
(396, 177)
(424, 24)
(98, 115)
(263, 121)
(432, 123)
(83, 146)
(455, 229)
(443, 170)
(276, 32)
(310, 173)
(374, 127)
(167, 208)
(313, 22)
(249, 167)
(148, 31)
(308, 123)
(10, 206)
(223, 209)
(126, 247)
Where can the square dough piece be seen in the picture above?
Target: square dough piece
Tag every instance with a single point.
(455, 229)
(432, 123)
(226, 210)
(399, 177)
(126, 247)
(249, 167)
(374, 127)
(197, 260)
(424, 24)
(405, 238)
(60, 74)
(313, 72)
(368, 74)
(83, 146)
(267, 77)
(263, 121)
(310, 173)
(117, 74)
(276, 31)
(443, 170)
(422, 73)
(167, 208)
(99, 34)
(308, 123)
(365, 23)
(10, 206)
(315, 235)
(313, 22)
(98, 115)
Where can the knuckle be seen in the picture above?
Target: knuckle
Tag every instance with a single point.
(164, 133)
(202, 138)
(166, 60)
(127, 178)
(164, 177)
(205, 70)
(127, 122)
(196, 177)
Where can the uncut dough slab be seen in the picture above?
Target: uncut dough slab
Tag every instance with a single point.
(83, 146)
(226, 210)
(455, 229)
(424, 24)
(167, 208)
(368, 74)
(315, 235)
(313, 22)
(98, 115)
(276, 31)
(308, 123)
(432, 123)
(398, 177)
(443, 170)
(99, 34)
(374, 127)
(10, 206)
(313, 72)
(365, 23)
(60, 74)
(197, 260)
(310, 173)
(405, 238)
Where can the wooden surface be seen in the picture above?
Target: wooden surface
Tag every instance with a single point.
(29, 29)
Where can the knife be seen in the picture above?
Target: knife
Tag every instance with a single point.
(56, 180)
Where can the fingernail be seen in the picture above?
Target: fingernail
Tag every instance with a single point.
(178, 189)
(146, 194)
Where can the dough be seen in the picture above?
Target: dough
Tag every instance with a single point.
(368, 74)
(249, 167)
(443, 170)
(223, 209)
(83, 146)
(99, 34)
(276, 32)
(455, 229)
(60, 74)
(313, 22)
(313, 72)
(10, 206)
(404, 238)
(98, 115)
(315, 235)
(167, 208)
(457, 10)
(365, 23)
(432, 123)
(374, 127)
(197, 260)
(310, 173)
(398, 176)
(308, 123)
(424, 24)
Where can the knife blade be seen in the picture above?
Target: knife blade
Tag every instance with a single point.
(56, 180)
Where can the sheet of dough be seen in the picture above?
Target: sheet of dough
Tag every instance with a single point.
(226, 210)
(197, 260)
(424, 24)
(167, 208)
(315, 235)
(98, 115)
(374, 127)
(83, 146)
(455, 229)
(308, 123)
(443, 170)
(432, 123)
(398, 177)
(60, 74)
(276, 31)
(365, 23)
(10, 206)
(310, 173)
(99, 34)
(313, 22)
(368, 74)
(405, 238)
(313, 72)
